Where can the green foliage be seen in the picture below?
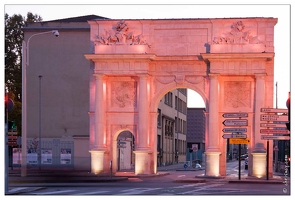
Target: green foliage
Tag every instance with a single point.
(14, 37)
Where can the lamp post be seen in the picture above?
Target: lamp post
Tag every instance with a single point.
(25, 64)
(39, 143)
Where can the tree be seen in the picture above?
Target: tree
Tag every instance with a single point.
(14, 37)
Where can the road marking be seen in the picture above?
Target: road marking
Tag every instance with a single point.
(189, 185)
(52, 192)
(17, 189)
(90, 193)
(138, 190)
(202, 188)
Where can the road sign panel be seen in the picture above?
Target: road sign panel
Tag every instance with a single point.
(275, 110)
(234, 130)
(274, 118)
(12, 137)
(272, 131)
(273, 125)
(235, 122)
(239, 141)
(234, 115)
(228, 136)
(272, 137)
(195, 147)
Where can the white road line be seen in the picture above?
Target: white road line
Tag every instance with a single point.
(202, 188)
(52, 192)
(90, 193)
(17, 189)
(189, 185)
(137, 191)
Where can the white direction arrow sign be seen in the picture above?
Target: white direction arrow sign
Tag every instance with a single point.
(227, 136)
(234, 115)
(271, 137)
(234, 130)
(235, 122)
(271, 125)
(274, 118)
(275, 110)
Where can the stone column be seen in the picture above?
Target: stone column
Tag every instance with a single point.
(143, 154)
(259, 151)
(99, 113)
(97, 151)
(213, 152)
(143, 119)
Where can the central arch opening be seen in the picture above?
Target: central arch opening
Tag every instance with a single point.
(176, 133)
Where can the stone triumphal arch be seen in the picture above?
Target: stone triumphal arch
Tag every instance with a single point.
(229, 62)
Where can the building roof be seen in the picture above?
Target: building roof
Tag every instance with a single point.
(79, 19)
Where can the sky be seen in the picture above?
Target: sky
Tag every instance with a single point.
(51, 10)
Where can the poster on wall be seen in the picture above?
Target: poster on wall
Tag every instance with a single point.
(46, 156)
(16, 155)
(65, 156)
(32, 156)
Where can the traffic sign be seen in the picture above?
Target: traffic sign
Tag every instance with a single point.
(273, 125)
(275, 110)
(234, 130)
(234, 115)
(272, 131)
(239, 141)
(235, 122)
(272, 137)
(195, 147)
(228, 136)
(274, 118)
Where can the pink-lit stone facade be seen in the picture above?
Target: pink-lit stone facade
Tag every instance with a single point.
(229, 62)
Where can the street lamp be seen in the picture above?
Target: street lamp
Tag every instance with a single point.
(25, 64)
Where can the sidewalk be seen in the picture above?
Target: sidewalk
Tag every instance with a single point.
(38, 179)
(62, 176)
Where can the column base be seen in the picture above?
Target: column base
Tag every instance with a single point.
(143, 162)
(212, 164)
(97, 158)
(259, 165)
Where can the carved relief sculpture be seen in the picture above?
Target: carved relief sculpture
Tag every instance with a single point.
(124, 94)
(237, 94)
(237, 35)
(121, 35)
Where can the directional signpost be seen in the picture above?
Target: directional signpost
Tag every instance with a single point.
(264, 117)
(272, 131)
(273, 125)
(240, 138)
(239, 141)
(228, 136)
(235, 115)
(235, 122)
(272, 137)
(274, 110)
(234, 130)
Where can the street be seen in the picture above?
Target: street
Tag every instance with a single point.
(161, 185)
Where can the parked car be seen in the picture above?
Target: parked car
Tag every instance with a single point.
(246, 163)
(243, 157)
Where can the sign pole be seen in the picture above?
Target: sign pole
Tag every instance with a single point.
(267, 158)
(239, 161)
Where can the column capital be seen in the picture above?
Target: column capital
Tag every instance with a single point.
(99, 76)
(213, 75)
(143, 75)
(260, 75)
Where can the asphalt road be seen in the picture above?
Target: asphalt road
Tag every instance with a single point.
(158, 185)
